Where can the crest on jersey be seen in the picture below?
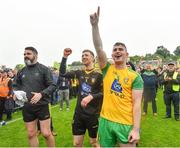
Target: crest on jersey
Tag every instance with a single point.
(116, 86)
(92, 80)
(126, 80)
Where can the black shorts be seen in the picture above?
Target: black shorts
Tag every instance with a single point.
(82, 122)
(33, 112)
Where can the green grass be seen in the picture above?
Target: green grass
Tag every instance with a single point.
(159, 132)
(155, 131)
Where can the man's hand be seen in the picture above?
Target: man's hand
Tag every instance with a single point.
(168, 79)
(86, 100)
(134, 136)
(94, 18)
(67, 52)
(35, 98)
(14, 97)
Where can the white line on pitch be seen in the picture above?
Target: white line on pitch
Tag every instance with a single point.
(21, 117)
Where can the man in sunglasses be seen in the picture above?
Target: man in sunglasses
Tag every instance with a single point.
(121, 110)
(36, 81)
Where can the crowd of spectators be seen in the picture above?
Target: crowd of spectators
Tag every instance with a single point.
(154, 79)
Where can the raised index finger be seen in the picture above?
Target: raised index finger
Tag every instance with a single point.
(98, 11)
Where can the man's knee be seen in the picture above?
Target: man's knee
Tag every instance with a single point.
(31, 134)
(77, 143)
(94, 142)
(46, 134)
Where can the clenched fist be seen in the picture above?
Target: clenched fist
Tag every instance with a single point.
(67, 52)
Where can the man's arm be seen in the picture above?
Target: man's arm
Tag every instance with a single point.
(85, 101)
(17, 83)
(94, 19)
(50, 87)
(134, 134)
(10, 89)
(17, 80)
(62, 69)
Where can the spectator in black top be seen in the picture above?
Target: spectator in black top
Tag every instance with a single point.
(89, 99)
(36, 80)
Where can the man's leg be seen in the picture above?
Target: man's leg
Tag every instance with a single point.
(153, 98)
(176, 105)
(145, 106)
(105, 136)
(78, 130)
(2, 101)
(46, 132)
(167, 99)
(94, 142)
(32, 136)
(61, 99)
(92, 126)
(75, 91)
(67, 98)
(78, 140)
(9, 114)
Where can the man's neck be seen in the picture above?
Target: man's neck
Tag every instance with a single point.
(89, 67)
(121, 66)
(32, 65)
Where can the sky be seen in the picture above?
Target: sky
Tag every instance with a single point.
(52, 25)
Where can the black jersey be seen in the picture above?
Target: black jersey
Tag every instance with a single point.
(90, 83)
(36, 78)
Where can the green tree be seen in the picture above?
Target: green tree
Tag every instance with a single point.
(148, 56)
(162, 52)
(76, 63)
(177, 51)
(19, 66)
(56, 65)
(135, 59)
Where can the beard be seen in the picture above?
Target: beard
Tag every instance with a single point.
(29, 62)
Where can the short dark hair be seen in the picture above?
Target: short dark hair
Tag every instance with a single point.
(5, 70)
(32, 49)
(87, 50)
(119, 43)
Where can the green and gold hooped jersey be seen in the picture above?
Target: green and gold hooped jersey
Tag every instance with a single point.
(118, 85)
